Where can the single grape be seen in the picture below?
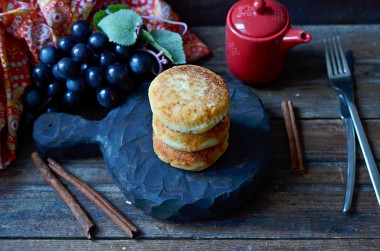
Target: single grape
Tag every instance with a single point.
(56, 75)
(117, 74)
(32, 98)
(66, 44)
(122, 52)
(95, 77)
(67, 68)
(71, 100)
(98, 41)
(49, 55)
(108, 97)
(38, 85)
(76, 85)
(107, 58)
(54, 89)
(81, 53)
(42, 73)
(52, 109)
(140, 63)
(81, 30)
(83, 68)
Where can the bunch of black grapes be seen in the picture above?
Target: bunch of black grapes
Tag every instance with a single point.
(85, 65)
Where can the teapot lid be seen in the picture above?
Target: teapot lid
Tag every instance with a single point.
(258, 18)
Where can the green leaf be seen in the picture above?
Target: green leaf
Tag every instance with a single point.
(103, 13)
(120, 26)
(148, 37)
(114, 8)
(172, 42)
(97, 17)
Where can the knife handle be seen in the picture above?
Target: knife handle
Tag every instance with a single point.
(367, 153)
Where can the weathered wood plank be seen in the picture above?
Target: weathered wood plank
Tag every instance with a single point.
(17, 177)
(277, 211)
(23, 175)
(324, 140)
(214, 12)
(284, 199)
(304, 79)
(130, 245)
(322, 155)
(316, 136)
(23, 172)
(310, 55)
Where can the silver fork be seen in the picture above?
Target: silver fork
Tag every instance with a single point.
(351, 146)
(340, 78)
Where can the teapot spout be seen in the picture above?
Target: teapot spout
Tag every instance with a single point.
(293, 37)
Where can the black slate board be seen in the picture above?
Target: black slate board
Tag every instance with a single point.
(125, 140)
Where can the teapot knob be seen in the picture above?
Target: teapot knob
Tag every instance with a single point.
(259, 6)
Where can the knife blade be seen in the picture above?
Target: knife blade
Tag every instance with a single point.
(351, 147)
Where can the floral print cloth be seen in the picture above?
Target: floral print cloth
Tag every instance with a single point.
(26, 26)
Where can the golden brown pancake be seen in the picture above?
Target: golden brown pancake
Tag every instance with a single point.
(192, 142)
(189, 99)
(192, 161)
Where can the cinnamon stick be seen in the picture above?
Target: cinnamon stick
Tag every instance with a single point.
(96, 198)
(293, 137)
(61, 190)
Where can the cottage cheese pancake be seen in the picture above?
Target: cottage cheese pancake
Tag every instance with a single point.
(192, 142)
(191, 161)
(189, 99)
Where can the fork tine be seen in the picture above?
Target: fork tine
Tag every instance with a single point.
(343, 57)
(338, 56)
(328, 61)
(332, 56)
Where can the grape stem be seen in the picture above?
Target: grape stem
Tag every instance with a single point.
(160, 57)
(184, 25)
(44, 105)
(139, 27)
(138, 33)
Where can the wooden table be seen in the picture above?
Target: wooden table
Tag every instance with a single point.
(288, 211)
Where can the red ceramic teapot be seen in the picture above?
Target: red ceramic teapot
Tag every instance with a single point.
(258, 36)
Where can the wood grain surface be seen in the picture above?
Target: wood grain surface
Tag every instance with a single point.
(214, 12)
(227, 245)
(289, 212)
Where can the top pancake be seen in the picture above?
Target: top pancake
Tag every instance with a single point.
(189, 98)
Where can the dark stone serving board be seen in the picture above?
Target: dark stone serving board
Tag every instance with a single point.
(162, 191)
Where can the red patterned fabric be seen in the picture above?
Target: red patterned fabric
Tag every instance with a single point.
(26, 26)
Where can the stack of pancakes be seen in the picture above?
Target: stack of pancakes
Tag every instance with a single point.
(190, 116)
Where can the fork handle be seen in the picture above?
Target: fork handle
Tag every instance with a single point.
(351, 162)
(368, 157)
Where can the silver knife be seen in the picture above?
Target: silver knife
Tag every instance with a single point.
(351, 148)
